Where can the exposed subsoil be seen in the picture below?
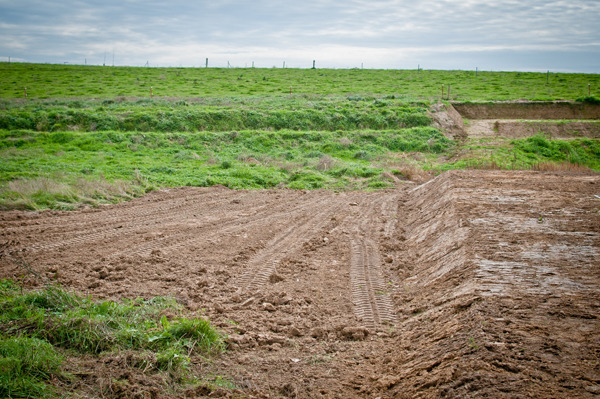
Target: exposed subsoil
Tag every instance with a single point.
(475, 284)
(557, 120)
(517, 129)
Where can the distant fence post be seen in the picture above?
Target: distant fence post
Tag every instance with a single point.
(448, 92)
(151, 93)
(442, 92)
(548, 77)
(589, 90)
(25, 90)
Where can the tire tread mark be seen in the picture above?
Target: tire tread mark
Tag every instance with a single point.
(264, 264)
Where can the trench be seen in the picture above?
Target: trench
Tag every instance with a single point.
(557, 120)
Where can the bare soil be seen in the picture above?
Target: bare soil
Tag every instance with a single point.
(528, 110)
(516, 129)
(474, 284)
(557, 120)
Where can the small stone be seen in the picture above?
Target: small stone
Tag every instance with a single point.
(269, 307)
(248, 302)
(355, 333)
(294, 332)
(202, 283)
(318, 333)
(353, 204)
(219, 308)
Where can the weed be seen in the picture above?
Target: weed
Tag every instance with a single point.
(26, 364)
(52, 318)
(472, 344)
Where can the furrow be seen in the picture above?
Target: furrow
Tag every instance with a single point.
(206, 231)
(264, 264)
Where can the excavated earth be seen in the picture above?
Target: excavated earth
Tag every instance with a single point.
(474, 284)
(558, 120)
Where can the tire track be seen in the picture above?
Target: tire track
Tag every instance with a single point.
(372, 304)
(115, 231)
(210, 229)
(121, 213)
(264, 264)
(371, 298)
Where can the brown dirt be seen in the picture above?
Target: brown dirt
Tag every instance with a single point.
(528, 110)
(475, 284)
(558, 120)
(522, 129)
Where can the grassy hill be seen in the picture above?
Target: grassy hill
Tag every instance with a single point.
(88, 134)
(45, 81)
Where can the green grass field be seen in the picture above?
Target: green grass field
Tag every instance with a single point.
(70, 81)
(90, 135)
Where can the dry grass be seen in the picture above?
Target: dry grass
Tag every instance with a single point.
(412, 172)
(545, 166)
(248, 159)
(38, 193)
(345, 142)
(561, 167)
(326, 163)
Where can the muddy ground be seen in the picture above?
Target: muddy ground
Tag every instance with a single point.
(474, 284)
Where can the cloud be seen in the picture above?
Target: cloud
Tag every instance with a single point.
(380, 33)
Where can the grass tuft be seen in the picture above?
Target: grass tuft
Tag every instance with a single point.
(35, 325)
(26, 364)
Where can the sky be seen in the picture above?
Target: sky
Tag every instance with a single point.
(500, 35)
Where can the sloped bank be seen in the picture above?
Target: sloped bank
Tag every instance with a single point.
(500, 288)
(528, 110)
(561, 120)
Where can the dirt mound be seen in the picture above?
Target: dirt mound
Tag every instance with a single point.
(528, 110)
(518, 119)
(502, 295)
(477, 283)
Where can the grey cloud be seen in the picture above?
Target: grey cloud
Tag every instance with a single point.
(384, 33)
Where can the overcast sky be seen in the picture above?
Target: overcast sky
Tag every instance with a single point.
(523, 35)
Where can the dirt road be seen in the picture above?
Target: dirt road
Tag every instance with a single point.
(477, 283)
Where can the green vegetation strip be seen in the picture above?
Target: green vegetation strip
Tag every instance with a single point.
(137, 161)
(180, 116)
(41, 81)
(38, 328)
